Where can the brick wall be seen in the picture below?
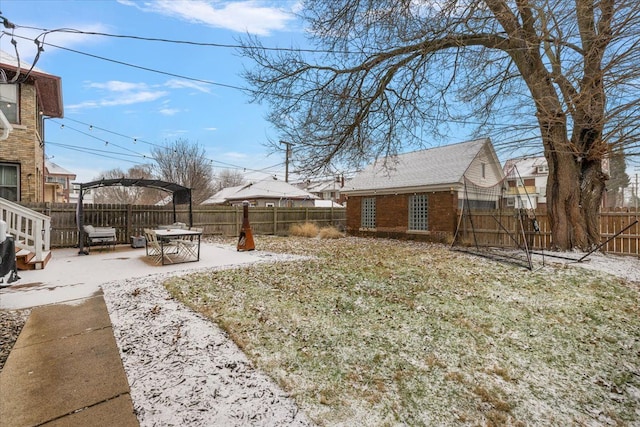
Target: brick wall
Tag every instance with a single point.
(392, 217)
(23, 147)
(392, 213)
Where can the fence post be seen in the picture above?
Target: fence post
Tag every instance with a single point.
(275, 220)
(237, 217)
(129, 221)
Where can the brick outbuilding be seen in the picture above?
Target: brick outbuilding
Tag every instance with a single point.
(418, 195)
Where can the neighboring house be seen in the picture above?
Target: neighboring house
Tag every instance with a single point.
(327, 204)
(417, 195)
(220, 198)
(74, 194)
(526, 182)
(269, 192)
(328, 190)
(27, 97)
(57, 183)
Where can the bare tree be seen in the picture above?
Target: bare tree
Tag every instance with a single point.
(127, 195)
(186, 164)
(387, 72)
(229, 178)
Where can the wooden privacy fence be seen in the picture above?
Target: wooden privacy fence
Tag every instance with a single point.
(130, 220)
(506, 229)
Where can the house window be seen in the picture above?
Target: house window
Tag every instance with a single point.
(9, 181)
(9, 101)
(543, 169)
(368, 215)
(484, 170)
(419, 212)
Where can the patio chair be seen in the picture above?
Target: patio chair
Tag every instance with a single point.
(188, 246)
(155, 250)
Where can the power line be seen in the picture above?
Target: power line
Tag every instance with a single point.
(141, 155)
(186, 42)
(225, 85)
(99, 139)
(151, 70)
(93, 152)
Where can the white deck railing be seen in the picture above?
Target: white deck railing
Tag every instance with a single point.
(30, 229)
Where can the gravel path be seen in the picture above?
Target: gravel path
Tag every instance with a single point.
(11, 323)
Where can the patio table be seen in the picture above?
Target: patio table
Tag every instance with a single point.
(187, 240)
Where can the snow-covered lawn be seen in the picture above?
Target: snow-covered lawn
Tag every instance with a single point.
(380, 332)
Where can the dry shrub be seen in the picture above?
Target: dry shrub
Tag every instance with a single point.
(307, 229)
(330, 233)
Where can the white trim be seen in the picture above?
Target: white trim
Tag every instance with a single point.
(454, 186)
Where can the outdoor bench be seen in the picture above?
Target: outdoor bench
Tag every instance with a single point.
(103, 236)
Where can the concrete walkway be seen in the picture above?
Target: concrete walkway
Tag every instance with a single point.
(65, 369)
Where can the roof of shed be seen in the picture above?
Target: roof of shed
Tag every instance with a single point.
(430, 167)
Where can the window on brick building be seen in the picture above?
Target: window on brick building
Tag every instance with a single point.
(419, 212)
(9, 182)
(368, 214)
(9, 101)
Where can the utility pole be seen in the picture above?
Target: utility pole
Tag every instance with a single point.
(287, 157)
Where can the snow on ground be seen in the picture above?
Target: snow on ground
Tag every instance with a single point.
(625, 267)
(184, 370)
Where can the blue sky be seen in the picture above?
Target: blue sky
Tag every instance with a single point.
(115, 113)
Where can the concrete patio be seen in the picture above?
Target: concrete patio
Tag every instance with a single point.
(69, 276)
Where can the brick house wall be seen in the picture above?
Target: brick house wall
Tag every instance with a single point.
(25, 147)
(392, 217)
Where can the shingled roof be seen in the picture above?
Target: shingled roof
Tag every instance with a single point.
(267, 188)
(434, 167)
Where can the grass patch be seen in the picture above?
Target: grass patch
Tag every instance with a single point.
(380, 332)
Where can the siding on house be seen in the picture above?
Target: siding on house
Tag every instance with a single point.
(492, 169)
(527, 182)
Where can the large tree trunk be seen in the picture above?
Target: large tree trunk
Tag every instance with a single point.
(574, 194)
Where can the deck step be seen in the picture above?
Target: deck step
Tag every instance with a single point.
(25, 260)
